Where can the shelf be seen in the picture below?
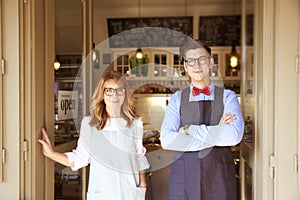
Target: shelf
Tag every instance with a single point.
(247, 152)
(153, 95)
(67, 121)
(65, 147)
(68, 183)
(67, 197)
(68, 79)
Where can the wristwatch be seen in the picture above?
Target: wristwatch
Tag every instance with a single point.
(186, 129)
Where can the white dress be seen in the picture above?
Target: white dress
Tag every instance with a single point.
(116, 155)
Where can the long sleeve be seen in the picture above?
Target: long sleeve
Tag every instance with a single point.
(140, 149)
(223, 134)
(201, 136)
(80, 156)
(170, 138)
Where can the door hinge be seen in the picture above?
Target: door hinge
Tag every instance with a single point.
(272, 166)
(2, 66)
(3, 156)
(25, 150)
(296, 163)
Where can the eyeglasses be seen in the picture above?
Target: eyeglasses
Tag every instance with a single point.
(111, 91)
(191, 62)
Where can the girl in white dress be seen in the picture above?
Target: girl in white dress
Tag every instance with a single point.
(111, 142)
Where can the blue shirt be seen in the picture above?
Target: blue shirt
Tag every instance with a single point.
(201, 136)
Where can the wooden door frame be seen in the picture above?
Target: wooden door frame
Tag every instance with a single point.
(286, 76)
(35, 69)
(264, 74)
(48, 182)
(36, 94)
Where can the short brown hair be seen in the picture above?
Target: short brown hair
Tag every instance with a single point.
(193, 44)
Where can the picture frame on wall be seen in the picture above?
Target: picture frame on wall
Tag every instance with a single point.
(106, 58)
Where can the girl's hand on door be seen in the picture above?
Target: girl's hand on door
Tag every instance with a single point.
(46, 144)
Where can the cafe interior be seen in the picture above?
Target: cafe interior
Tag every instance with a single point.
(69, 44)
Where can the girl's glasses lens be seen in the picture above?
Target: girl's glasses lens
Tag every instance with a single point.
(111, 91)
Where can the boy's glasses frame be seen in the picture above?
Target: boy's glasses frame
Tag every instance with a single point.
(202, 60)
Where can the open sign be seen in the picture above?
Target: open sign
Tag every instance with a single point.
(67, 104)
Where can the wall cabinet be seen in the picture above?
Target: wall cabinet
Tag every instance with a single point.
(156, 63)
(222, 71)
(164, 66)
(159, 71)
(222, 66)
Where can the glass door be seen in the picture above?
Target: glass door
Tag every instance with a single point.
(68, 97)
(247, 154)
(68, 114)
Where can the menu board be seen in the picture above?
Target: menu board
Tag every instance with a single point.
(150, 31)
(223, 30)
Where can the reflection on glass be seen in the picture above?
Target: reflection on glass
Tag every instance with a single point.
(249, 77)
(214, 72)
(178, 66)
(67, 182)
(164, 59)
(119, 60)
(230, 71)
(68, 108)
(248, 135)
(139, 66)
(248, 182)
(160, 68)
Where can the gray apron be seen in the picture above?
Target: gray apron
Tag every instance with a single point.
(207, 174)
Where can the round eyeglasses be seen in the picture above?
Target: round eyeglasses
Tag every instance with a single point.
(202, 60)
(111, 91)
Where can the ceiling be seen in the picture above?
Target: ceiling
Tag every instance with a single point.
(119, 3)
(112, 3)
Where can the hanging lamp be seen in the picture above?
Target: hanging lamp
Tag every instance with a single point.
(139, 53)
(95, 57)
(234, 57)
(56, 64)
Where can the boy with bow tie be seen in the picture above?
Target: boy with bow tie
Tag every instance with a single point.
(200, 124)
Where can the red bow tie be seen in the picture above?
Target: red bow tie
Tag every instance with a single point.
(197, 91)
